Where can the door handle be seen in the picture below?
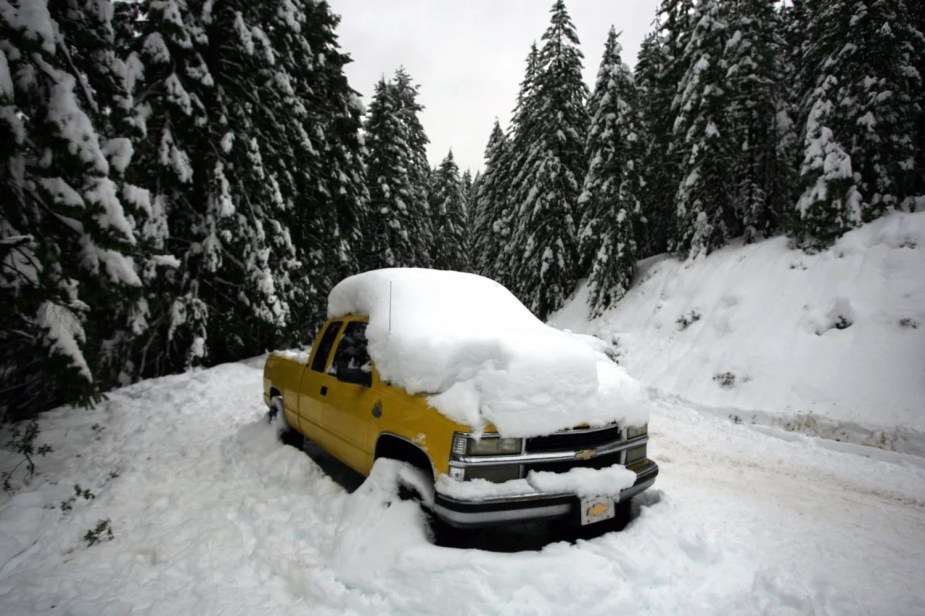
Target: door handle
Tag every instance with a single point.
(324, 390)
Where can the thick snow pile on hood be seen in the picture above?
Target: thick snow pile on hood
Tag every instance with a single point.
(482, 356)
(831, 343)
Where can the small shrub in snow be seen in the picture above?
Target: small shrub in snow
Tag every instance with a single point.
(725, 379)
(908, 323)
(99, 533)
(84, 493)
(685, 320)
(22, 441)
(613, 350)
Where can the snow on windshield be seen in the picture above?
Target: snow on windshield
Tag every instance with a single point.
(482, 356)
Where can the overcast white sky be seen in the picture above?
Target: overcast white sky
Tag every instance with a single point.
(468, 56)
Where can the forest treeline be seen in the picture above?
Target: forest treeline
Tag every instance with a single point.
(182, 181)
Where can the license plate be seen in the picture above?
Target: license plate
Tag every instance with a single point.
(596, 510)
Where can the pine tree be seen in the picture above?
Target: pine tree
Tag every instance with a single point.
(550, 165)
(610, 200)
(758, 116)
(859, 149)
(399, 232)
(172, 84)
(702, 136)
(489, 202)
(448, 205)
(514, 159)
(661, 67)
(66, 238)
(314, 152)
(423, 230)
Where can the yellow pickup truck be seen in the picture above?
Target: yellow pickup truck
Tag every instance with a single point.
(337, 397)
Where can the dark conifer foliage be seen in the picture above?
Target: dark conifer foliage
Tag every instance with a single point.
(548, 168)
(660, 68)
(703, 139)
(609, 202)
(399, 231)
(758, 116)
(450, 217)
(70, 284)
(489, 230)
(859, 138)
(179, 179)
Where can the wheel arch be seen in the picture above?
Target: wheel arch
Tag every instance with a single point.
(391, 445)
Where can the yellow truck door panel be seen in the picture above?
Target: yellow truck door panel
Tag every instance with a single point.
(352, 396)
(313, 391)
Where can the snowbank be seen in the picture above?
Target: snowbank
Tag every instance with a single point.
(212, 515)
(482, 356)
(831, 343)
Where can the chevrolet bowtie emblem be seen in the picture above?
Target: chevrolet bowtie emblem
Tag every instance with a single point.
(585, 454)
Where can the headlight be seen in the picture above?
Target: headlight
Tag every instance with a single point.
(634, 431)
(488, 445)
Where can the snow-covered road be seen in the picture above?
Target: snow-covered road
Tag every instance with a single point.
(211, 515)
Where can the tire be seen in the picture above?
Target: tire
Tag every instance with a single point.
(286, 434)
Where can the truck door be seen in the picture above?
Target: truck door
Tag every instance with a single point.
(353, 399)
(316, 382)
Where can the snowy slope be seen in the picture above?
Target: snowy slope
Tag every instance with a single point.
(830, 344)
(211, 515)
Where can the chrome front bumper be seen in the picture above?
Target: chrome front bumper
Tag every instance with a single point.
(527, 507)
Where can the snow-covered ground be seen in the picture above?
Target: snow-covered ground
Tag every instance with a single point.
(831, 344)
(211, 515)
(788, 421)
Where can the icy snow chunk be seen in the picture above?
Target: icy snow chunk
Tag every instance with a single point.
(483, 357)
(582, 482)
(119, 152)
(296, 355)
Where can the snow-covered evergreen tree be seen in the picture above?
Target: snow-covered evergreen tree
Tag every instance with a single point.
(513, 161)
(448, 205)
(418, 169)
(488, 230)
(610, 200)
(172, 86)
(69, 279)
(758, 116)
(549, 167)
(659, 70)
(859, 148)
(399, 232)
(703, 138)
(312, 132)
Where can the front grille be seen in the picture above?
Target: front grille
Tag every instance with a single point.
(562, 466)
(578, 439)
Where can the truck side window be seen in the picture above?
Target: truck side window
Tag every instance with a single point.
(351, 360)
(324, 347)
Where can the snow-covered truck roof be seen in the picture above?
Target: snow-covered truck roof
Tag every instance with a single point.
(482, 356)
